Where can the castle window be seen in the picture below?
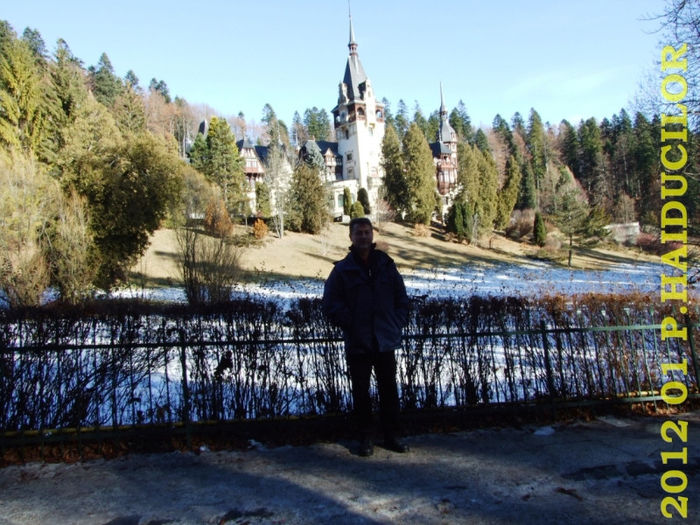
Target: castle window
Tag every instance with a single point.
(360, 112)
(380, 115)
(348, 156)
(347, 134)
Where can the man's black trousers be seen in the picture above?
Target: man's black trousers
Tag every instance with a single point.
(360, 367)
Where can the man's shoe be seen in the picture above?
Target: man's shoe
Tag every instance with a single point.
(366, 448)
(395, 445)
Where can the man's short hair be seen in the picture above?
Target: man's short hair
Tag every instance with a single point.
(359, 220)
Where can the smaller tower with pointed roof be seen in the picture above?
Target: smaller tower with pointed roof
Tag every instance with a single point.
(445, 157)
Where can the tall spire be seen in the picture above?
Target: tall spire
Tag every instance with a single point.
(443, 109)
(355, 75)
(352, 44)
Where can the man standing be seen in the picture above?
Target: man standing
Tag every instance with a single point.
(365, 295)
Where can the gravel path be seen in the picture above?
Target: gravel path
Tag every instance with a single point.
(605, 471)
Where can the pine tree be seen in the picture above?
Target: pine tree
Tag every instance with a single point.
(508, 196)
(262, 199)
(224, 165)
(317, 124)
(363, 198)
(106, 86)
(461, 123)
(540, 231)
(395, 184)
(420, 175)
(401, 119)
(536, 145)
(21, 118)
(479, 179)
(307, 205)
(422, 122)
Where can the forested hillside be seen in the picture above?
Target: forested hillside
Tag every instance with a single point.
(92, 163)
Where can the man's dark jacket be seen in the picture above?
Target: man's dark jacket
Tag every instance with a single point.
(367, 301)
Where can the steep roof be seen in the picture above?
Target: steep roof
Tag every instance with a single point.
(355, 74)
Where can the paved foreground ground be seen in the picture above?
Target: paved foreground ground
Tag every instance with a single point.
(604, 471)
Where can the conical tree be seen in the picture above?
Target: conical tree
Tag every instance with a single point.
(396, 188)
(540, 231)
(224, 165)
(307, 204)
(508, 195)
(420, 175)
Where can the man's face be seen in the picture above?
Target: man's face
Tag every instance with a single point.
(361, 236)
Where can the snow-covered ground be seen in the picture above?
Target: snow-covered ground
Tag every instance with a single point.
(533, 279)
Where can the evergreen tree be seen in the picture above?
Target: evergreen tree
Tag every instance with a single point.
(347, 201)
(199, 153)
(159, 86)
(433, 126)
(132, 81)
(481, 142)
(130, 112)
(307, 209)
(592, 174)
(570, 147)
(317, 124)
(357, 210)
(262, 199)
(401, 119)
(389, 119)
(540, 231)
(527, 196)
(363, 198)
(22, 121)
(461, 123)
(128, 198)
(224, 165)
(536, 145)
(395, 184)
(312, 156)
(459, 220)
(422, 122)
(645, 159)
(106, 86)
(478, 177)
(36, 44)
(508, 196)
(420, 175)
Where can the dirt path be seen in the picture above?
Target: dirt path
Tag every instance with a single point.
(606, 471)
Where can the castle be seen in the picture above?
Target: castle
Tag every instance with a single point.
(354, 160)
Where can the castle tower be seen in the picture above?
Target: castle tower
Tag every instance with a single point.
(445, 158)
(359, 128)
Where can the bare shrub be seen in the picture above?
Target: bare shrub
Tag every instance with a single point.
(421, 230)
(260, 229)
(651, 243)
(521, 224)
(209, 266)
(27, 199)
(67, 244)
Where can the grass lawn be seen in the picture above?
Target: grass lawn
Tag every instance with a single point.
(299, 255)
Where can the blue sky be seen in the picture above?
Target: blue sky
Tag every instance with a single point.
(567, 59)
